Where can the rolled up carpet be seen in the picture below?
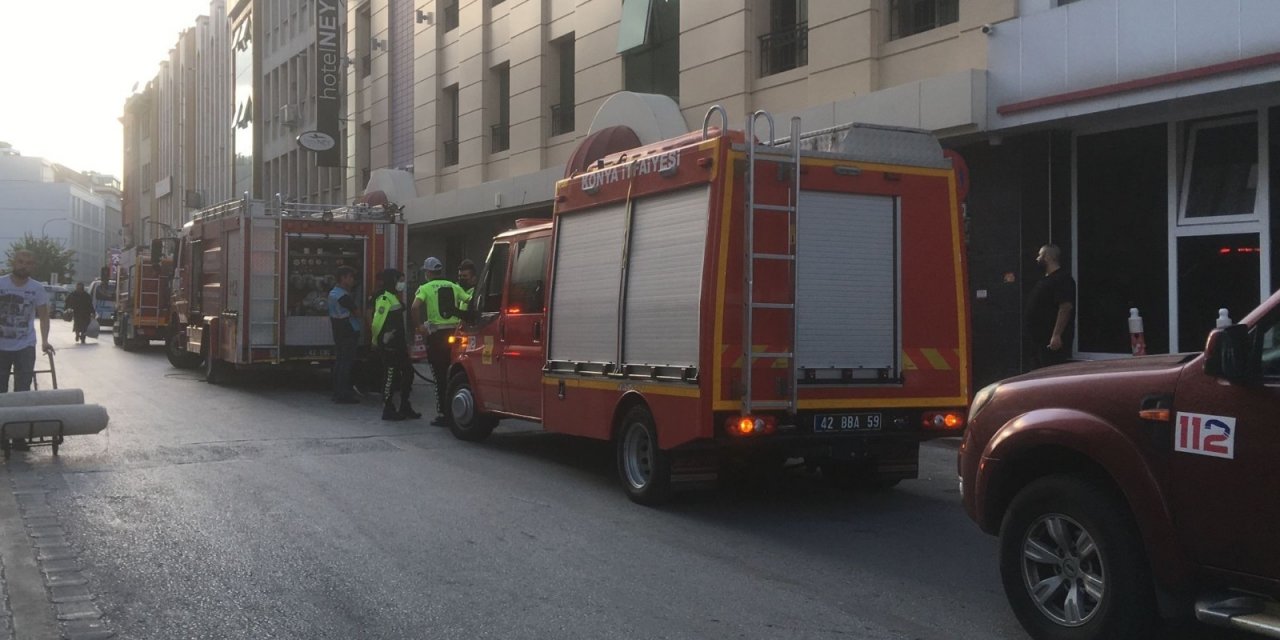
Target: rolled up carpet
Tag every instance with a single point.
(50, 420)
(41, 397)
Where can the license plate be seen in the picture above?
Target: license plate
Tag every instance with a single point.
(830, 422)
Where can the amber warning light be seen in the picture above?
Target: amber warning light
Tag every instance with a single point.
(944, 420)
(745, 426)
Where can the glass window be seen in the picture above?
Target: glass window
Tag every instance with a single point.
(786, 46)
(1122, 225)
(909, 17)
(494, 276)
(633, 31)
(528, 277)
(1221, 175)
(655, 66)
(450, 15)
(563, 111)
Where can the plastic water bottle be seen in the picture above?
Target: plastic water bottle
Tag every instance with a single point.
(1224, 320)
(1137, 341)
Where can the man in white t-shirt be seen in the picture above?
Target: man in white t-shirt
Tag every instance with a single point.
(22, 299)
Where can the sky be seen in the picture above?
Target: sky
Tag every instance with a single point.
(67, 66)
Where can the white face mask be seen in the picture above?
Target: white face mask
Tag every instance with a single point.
(400, 286)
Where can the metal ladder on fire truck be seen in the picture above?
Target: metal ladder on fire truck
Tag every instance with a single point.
(789, 158)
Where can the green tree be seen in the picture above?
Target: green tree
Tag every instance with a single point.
(51, 257)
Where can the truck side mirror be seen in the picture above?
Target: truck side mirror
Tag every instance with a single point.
(1229, 354)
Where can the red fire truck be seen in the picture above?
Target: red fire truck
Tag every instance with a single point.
(142, 301)
(722, 295)
(250, 279)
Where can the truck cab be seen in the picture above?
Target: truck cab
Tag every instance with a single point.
(1126, 489)
(499, 357)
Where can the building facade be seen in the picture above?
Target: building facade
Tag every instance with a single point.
(177, 137)
(283, 72)
(1137, 135)
(45, 199)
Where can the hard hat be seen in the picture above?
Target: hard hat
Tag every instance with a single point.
(432, 264)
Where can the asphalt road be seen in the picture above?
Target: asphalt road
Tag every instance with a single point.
(261, 510)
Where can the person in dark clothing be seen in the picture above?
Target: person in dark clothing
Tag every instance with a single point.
(1050, 316)
(81, 306)
(389, 329)
(345, 319)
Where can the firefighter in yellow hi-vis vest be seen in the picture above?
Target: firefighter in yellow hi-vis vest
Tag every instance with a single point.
(390, 342)
(441, 302)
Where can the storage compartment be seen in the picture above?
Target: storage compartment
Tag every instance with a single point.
(311, 266)
(847, 262)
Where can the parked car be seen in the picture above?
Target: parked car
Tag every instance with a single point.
(1127, 490)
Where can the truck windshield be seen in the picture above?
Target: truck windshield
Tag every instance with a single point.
(105, 291)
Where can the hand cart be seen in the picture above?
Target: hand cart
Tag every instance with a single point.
(10, 430)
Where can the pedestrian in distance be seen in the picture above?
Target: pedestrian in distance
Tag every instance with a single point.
(1050, 314)
(437, 312)
(22, 300)
(345, 320)
(81, 306)
(389, 329)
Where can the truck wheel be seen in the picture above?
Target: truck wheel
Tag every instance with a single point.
(177, 353)
(117, 335)
(215, 371)
(466, 421)
(1072, 564)
(643, 468)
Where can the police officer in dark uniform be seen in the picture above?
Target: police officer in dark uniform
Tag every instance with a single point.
(389, 329)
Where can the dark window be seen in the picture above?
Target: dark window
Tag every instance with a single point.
(909, 17)
(1122, 227)
(494, 276)
(786, 46)
(562, 112)
(364, 35)
(450, 15)
(451, 125)
(1222, 171)
(528, 277)
(654, 67)
(500, 139)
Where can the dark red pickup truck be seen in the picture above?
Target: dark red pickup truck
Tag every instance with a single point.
(1126, 491)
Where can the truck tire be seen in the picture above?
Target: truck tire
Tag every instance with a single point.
(466, 421)
(177, 353)
(117, 335)
(1072, 564)
(643, 468)
(215, 371)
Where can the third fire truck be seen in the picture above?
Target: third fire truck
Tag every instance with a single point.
(724, 295)
(250, 279)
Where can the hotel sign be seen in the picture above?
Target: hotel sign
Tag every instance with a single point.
(329, 78)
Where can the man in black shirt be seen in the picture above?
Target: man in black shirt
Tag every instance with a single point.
(1050, 317)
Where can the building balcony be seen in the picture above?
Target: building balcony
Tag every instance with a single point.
(784, 50)
(450, 152)
(562, 119)
(499, 137)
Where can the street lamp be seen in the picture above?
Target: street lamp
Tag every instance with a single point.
(46, 224)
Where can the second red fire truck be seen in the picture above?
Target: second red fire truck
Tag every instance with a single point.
(249, 279)
(725, 295)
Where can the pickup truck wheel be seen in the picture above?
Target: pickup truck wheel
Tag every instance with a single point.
(1072, 564)
(466, 421)
(643, 468)
(177, 353)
